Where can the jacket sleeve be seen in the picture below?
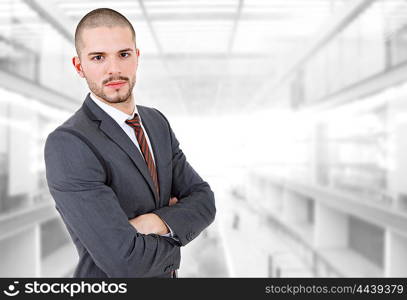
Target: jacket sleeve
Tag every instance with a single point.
(90, 208)
(195, 209)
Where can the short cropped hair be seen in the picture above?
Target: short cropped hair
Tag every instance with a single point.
(101, 17)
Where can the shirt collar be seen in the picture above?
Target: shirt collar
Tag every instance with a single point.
(116, 114)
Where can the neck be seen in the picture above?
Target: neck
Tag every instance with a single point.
(126, 106)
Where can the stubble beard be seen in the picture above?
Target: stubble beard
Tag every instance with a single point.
(98, 90)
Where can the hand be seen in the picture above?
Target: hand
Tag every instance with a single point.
(173, 201)
(149, 223)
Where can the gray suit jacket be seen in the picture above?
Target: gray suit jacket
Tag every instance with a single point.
(99, 180)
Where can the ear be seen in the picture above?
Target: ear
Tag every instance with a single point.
(77, 64)
(137, 57)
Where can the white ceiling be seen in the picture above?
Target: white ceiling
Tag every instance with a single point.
(207, 56)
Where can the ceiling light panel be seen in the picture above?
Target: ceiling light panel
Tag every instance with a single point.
(79, 8)
(193, 36)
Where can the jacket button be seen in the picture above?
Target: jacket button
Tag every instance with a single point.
(190, 236)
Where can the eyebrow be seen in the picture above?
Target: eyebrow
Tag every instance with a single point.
(99, 53)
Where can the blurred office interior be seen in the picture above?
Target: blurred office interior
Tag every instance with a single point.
(293, 110)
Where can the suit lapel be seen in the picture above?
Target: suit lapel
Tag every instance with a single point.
(117, 135)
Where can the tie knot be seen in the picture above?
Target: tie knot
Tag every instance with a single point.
(135, 122)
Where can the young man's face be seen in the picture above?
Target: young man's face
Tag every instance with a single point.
(108, 61)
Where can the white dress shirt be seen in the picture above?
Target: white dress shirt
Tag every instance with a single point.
(120, 118)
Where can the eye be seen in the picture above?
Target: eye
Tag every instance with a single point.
(97, 57)
(124, 54)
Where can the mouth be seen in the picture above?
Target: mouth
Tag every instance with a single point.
(115, 84)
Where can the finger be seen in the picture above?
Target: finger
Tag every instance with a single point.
(173, 201)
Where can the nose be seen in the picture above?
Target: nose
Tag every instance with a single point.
(113, 67)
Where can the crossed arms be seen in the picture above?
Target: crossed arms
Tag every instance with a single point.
(91, 210)
(152, 223)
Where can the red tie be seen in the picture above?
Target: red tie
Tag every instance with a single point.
(142, 141)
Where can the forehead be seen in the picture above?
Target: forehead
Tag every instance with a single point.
(107, 38)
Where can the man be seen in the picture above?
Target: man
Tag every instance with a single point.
(120, 182)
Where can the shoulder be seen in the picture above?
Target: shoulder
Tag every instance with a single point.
(153, 114)
(150, 111)
(72, 133)
(79, 121)
(78, 125)
(67, 149)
